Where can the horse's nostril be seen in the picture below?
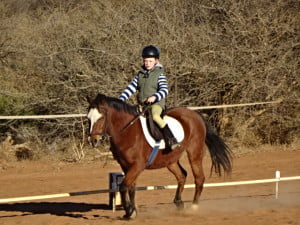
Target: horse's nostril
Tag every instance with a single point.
(103, 138)
(95, 142)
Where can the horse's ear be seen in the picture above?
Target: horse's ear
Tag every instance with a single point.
(100, 98)
(89, 99)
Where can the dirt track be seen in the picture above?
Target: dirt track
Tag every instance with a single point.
(249, 204)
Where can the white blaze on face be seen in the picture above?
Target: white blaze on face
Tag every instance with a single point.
(93, 115)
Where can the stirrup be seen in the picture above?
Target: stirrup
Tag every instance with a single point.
(172, 143)
(175, 145)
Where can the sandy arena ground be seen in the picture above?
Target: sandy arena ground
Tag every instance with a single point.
(246, 205)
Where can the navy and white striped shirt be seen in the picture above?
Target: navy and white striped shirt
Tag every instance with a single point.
(162, 90)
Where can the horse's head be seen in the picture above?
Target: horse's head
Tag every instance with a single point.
(97, 115)
(103, 107)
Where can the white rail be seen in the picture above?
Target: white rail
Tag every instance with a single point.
(277, 179)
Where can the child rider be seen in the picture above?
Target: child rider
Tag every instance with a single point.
(152, 87)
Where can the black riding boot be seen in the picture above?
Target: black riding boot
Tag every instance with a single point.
(170, 140)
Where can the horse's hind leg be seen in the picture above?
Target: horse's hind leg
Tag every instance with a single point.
(180, 175)
(196, 165)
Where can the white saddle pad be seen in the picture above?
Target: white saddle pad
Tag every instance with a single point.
(174, 125)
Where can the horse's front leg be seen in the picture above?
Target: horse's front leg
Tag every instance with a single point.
(128, 200)
(127, 190)
(131, 193)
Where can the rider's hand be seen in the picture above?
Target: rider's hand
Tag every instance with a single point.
(151, 99)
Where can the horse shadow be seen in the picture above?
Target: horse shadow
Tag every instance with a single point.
(69, 209)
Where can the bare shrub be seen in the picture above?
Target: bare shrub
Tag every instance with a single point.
(54, 53)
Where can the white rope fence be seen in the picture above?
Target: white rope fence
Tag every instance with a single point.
(41, 117)
(83, 115)
(232, 105)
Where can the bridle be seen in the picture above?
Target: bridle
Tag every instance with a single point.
(105, 134)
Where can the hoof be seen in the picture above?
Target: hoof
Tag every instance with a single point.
(130, 216)
(179, 204)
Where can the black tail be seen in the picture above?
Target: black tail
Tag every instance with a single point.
(219, 152)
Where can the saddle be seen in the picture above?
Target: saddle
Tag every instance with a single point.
(153, 133)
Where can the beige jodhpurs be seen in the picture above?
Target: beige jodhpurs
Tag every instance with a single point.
(156, 111)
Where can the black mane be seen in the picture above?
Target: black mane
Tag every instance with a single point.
(116, 103)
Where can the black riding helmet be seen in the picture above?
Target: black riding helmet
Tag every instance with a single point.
(150, 51)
